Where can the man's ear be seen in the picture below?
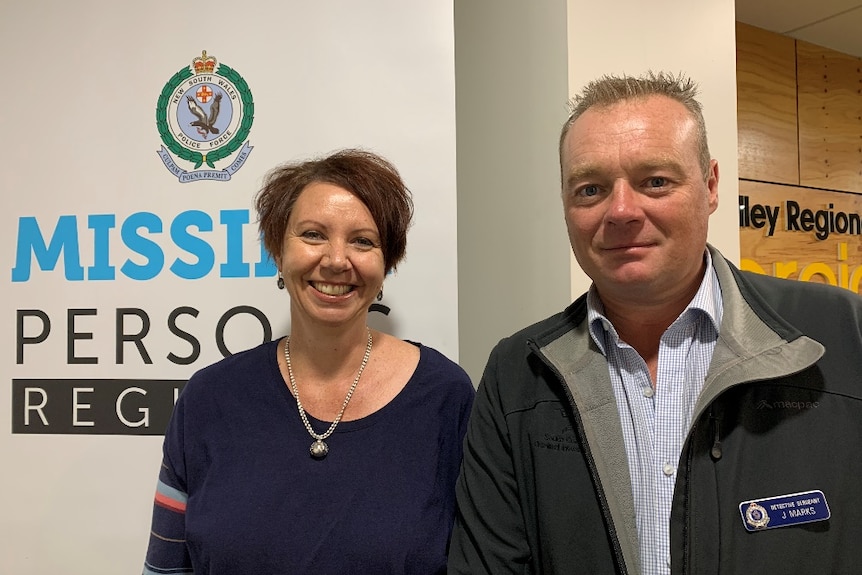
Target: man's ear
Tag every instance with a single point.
(712, 185)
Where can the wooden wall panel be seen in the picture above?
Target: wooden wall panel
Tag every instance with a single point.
(800, 128)
(830, 118)
(815, 234)
(766, 105)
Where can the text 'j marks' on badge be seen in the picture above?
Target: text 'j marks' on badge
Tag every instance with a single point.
(784, 510)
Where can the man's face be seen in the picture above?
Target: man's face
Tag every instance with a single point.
(636, 201)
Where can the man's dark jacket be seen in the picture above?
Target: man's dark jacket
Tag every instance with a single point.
(545, 485)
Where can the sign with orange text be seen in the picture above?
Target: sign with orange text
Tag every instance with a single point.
(801, 234)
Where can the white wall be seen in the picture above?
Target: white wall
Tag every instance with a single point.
(511, 92)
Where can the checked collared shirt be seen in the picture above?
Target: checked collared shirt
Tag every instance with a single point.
(655, 422)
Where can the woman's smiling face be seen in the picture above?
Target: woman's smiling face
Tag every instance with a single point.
(331, 258)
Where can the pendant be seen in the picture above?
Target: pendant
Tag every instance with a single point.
(319, 449)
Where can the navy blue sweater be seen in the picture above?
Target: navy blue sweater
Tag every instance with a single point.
(239, 493)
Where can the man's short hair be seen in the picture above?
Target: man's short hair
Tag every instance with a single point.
(609, 90)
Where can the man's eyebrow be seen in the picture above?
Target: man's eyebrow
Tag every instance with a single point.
(581, 172)
(669, 164)
(592, 171)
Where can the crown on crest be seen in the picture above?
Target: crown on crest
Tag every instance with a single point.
(204, 64)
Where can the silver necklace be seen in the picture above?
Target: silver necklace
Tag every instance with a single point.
(319, 449)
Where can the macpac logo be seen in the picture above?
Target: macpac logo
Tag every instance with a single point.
(145, 234)
(763, 404)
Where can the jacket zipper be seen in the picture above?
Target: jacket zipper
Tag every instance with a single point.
(603, 503)
(715, 452)
(714, 417)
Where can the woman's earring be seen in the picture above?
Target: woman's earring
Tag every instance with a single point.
(380, 294)
(280, 281)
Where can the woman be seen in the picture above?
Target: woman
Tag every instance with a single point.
(336, 449)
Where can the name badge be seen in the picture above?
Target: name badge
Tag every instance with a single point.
(784, 510)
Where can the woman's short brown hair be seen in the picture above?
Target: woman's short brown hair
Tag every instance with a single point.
(366, 175)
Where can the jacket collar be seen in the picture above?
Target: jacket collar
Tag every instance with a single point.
(753, 342)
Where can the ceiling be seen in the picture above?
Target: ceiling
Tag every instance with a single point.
(834, 24)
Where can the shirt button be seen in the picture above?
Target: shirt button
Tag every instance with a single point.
(668, 469)
(649, 392)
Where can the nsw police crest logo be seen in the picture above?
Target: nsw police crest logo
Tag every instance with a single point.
(204, 116)
(756, 516)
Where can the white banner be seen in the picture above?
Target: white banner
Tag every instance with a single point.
(135, 137)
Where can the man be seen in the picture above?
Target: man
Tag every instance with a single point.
(682, 416)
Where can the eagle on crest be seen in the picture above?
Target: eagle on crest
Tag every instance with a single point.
(205, 124)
